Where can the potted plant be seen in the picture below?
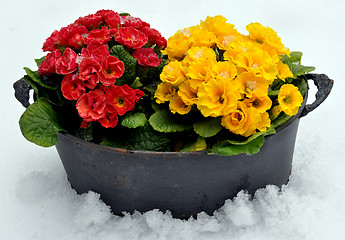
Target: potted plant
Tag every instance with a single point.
(178, 125)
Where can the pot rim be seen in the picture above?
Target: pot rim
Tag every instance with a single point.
(141, 152)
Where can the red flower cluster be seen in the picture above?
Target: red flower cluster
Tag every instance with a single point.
(81, 53)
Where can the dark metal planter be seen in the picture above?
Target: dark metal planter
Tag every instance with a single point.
(184, 183)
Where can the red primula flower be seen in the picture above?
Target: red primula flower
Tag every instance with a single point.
(47, 67)
(131, 37)
(67, 63)
(95, 51)
(113, 31)
(84, 124)
(155, 36)
(91, 106)
(138, 94)
(112, 69)
(98, 36)
(90, 21)
(111, 118)
(72, 87)
(89, 72)
(146, 57)
(76, 35)
(49, 45)
(56, 39)
(110, 17)
(122, 98)
(130, 21)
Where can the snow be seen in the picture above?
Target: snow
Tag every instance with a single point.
(37, 201)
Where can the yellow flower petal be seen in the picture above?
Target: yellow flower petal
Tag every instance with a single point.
(290, 99)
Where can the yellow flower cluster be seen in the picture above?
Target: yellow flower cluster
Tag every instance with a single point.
(223, 73)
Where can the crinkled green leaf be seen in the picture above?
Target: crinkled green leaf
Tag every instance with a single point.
(85, 133)
(302, 84)
(130, 63)
(163, 121)
(142, 138)
(269, 131)
(298, 70)
(37, 78)
(134, 120)
(53, 96)
(39, 61)
(198, 145)
(115, 143)
(228, 149)
(208, 127)
(40, 124)
(146, 139)
(295, 57)
(136, 83)
(280, 120)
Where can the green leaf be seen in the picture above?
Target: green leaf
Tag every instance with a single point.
(53, 96)
(85, 133)
(142, 138)
(295, 57)
(146, 139)
(280, 120)
(115, 143)
(250, 148)
(302, 85)
(136, 83)
(208, 127)
(39, 61)
(130, 62)
(269, 131)
(37, 78)
(134, 120)
(299, 70)
(198, 145)
(40, 124)
(163, 121)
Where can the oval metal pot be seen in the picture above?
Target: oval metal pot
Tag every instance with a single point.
(185, 183)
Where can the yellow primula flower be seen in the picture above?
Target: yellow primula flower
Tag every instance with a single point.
(203, 38)
(218, 97)
(227, 41)
(173, 73)
(276, 110)
(238, 47)
(196, 54)
(242, 121)
(259, 100)
(283, 71)
(266, 35)
(189, 31)
(224, 69)
(290, 99)
(218, 25)
(178, 106)
(265, 122)
(249, 83)
(165, 91)
(259, 62)
(187, 93)
(200, 70)
(177, 46)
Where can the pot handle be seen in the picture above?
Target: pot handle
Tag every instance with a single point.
(324, 86)
(21, 92)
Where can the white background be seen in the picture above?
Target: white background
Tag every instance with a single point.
(36, 201)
